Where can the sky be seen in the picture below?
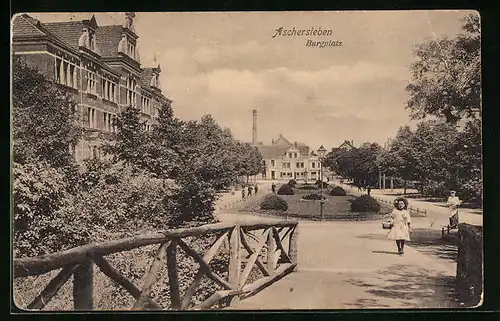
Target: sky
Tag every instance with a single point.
(227, 63)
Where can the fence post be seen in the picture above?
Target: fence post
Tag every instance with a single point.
(234, 262)
(271, 250)
(292, 245)
(173, 277)
(83, 286)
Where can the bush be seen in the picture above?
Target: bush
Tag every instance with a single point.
(314, 196)
(273, 202)
(292, 183)
(337, 191)
(317, 182)
(308, 187)
(39, 191)
(365, 203)
(118, 200)
(285, 190)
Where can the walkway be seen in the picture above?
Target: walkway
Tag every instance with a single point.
(437, 213)
(352, 265)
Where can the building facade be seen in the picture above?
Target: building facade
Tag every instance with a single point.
(98, 66)
(286, 160)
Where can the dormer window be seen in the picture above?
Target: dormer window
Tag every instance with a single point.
(87, 39)
(126, 47)
(155, 81)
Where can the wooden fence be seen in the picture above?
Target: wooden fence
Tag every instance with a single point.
(278, 240)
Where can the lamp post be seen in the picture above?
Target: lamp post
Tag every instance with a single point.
(321, 154)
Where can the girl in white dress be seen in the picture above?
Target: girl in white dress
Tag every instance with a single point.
(400, 220)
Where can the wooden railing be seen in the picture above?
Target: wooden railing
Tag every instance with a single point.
(246, 243)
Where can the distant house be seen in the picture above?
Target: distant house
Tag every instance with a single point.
(286, 160)
(346, 145)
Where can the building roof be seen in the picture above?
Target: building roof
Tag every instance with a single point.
(68, 32)
(279, 147)
(25, 26)
(107, 40)
(345, 145)
(146, 76)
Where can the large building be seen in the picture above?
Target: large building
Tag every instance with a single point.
(286, 160)
(98, 66)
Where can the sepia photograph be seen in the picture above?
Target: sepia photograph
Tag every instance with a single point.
(281, 160)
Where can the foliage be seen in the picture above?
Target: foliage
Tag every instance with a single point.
(119, 199)
(314, 196)
(446, 75)
(37, 101)
(273, 202)
(193, 201)
(285, 190)
(128, 145)
(337, 191)
(292, 183)
(360, 164)
(437, 153)
(308, 187)
(38, 192)
(365, 203)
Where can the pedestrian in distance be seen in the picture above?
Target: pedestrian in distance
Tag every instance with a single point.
(243, 193)
(273, 188)
(400, 224)
(453, 204)
(256, 189)
(368, 189)
(250, 188)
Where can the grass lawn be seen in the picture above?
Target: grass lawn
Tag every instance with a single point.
(334, 205)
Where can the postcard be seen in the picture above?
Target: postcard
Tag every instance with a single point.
(318, 160)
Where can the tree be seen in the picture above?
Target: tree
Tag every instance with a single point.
(45, 119)
(250, 161)
(360, 164)
(163, 145)
(130, 139)
(399, 159)
(446, 75)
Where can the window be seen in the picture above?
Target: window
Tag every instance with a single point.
(302, 165)
(108, 90)
(273, 162)
(297, 164)
(66, 73)
(109, 122)
(131, 50)
(313, 165)
(91, 117)
(130, 92)
(91, 82)
(146, 105)
(295, 155)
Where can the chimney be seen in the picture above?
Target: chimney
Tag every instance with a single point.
(254, 127)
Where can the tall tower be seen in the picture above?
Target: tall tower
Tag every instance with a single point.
(254, 127)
